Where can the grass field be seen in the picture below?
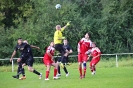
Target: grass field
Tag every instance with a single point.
(106, 77)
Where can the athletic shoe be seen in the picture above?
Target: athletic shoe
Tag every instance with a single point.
(83, 76)
(67, 74)
(93, 73)
(80, 77)
(40, 76)
(16, 76)
(56, 78)
(46, 79)
(22, 78)
(58, 75)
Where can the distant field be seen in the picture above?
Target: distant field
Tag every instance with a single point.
(107, 76)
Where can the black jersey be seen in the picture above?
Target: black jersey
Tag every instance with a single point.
(24, 49)
(67, 47)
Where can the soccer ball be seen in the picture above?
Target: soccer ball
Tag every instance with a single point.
(58, 6)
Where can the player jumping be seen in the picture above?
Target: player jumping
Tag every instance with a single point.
(48, 61)
(58, 37)
(26, 55)
(95, 53)
(84, 47)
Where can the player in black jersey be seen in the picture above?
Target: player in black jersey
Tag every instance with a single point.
(64, 59)
(26, 56)
(22, 63)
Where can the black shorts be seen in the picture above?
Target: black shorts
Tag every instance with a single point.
(28, 60)
(64, 60)
(59, 47)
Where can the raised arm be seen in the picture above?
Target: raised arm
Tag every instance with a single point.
(65, 26)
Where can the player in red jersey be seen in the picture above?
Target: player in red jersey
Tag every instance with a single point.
(95, 53)
(84, 47)
(48, 61)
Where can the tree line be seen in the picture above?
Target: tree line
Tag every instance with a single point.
(109, 22)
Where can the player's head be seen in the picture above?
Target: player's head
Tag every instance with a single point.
(20, 41)
(25, 41)
(93, 44)
(87, 35)
(65, 42)
(58, 27)
(52, 44)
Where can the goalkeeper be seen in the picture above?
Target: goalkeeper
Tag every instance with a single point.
(58, 37)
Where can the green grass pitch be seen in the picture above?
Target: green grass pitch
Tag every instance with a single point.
(109, 77)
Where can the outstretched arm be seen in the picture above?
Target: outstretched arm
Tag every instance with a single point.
(65, 26)
(32, 46)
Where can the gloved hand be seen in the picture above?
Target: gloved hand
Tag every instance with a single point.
(68, 23)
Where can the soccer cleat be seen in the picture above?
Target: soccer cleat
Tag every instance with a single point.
(40, 76)
(83, 76)
(58, 75)
(93, 73)
(56, 78)
(80, 77)
(62, 65)
(67, 74)
(22, 78)
(46, 79)
(16, 76)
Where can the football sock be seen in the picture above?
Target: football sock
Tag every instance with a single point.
(23, 72)
(80, 70)
(36, 72)
(47, 74)
(59, 70)
(84, 64)
(55, 72)
(91, 69)
(65, 70)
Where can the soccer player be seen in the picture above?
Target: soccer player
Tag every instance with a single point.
(48, 61)
(95, 53)
(84, 47)
(67, 47)
(58, 37)
(26, 56)
(21, 64)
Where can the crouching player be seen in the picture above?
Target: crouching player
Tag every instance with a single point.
(95, 53)
(48, 61)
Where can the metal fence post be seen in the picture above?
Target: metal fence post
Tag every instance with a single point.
(12, 66)
(116, 60)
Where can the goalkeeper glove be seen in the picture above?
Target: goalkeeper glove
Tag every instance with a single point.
(68, 23)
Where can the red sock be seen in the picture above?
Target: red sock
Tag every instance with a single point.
(47, 74)
(91, 69)
(55, 72)
(84, 71)
(80, 70)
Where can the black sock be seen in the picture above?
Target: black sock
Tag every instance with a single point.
(59, 70)
(23, 72)
(36, 72)
(19, 67)
(65, 70)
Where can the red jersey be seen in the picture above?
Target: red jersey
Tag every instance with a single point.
(84, 45)
(50, 50)
(95, 51)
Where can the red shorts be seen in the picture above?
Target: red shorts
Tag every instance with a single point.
(82, 57)
(47, 61)
(94, 61)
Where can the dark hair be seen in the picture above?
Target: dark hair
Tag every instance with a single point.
(88, 33)
(19, 38)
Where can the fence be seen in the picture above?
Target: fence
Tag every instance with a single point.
(116, 55)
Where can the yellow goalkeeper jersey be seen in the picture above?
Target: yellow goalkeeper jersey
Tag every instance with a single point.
(57, 36)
